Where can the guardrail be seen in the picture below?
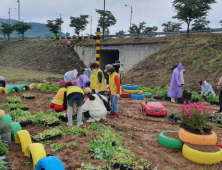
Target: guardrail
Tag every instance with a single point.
(151, 34)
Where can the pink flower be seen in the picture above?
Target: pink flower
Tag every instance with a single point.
(180, 114)
(180, 110)
(200, 113)
(189, 117)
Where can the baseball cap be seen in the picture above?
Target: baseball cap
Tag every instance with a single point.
(108, 67)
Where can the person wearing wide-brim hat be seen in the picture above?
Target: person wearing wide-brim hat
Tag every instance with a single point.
(118, 67)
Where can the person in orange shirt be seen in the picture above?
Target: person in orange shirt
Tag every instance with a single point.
(57, 103)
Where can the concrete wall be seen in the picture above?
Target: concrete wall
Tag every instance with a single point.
(129, 54)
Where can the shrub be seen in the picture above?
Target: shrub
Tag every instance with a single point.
(3, 149)
(3, 165)
(195, 115)
(5, 127)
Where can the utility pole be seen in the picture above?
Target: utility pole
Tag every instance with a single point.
(61, 22)
(9, 13)
(90, 25)
(131, 13)
(18, 13)
(104, 17)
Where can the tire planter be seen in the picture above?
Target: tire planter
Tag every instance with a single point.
(24, 124)
(130, 91)
(6, 138)
(195, 139)
(130, 87)
(22, 86)
(125, 95)
(15, 128)
(35, 151)
(2, 89)
(47, 138)
(49, 163)
(24, 138)
(206, 158)
(6, 118)
(170, 142)
(219, 145)
(147, 95)
(31, 86)
(11, 88)
(136, 96)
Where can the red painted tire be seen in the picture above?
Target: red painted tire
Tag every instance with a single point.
(125, 95)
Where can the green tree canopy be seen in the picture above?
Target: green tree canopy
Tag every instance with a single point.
(137, 29)
(54, 25)
(188, 10)
(79, 23)
(7, 29)
(22, 27)
(200, 24)
(121, 32)
(106, 19)
(171, 26)
(150, 29)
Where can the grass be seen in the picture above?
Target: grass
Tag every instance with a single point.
(21, 74)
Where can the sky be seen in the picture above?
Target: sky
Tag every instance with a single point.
(153, 12)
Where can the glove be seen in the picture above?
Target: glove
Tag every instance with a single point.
(97, 90)
(65, 115)
(118, 95)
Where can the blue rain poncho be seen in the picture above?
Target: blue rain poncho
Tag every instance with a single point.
(70, 75)
(88, 72)
(206, 89)
(175, 89)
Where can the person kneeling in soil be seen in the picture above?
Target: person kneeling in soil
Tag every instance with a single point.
(72, 94)
(206, 88)
(115, 89)
(83, 81)
(94, 108)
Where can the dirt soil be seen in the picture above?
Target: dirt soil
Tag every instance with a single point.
(173, 135)
(141, 130)
(207, 148)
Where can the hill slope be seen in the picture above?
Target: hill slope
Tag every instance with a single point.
(39, 55)
(200, 54)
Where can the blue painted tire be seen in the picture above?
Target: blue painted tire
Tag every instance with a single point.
(135, 96)
(130, 87)
(49, 163)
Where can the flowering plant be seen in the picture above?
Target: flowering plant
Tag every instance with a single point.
(195, 115)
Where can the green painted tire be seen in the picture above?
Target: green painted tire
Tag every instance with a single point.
(6, 118)
(15, 128)
(147, 95)
(170, 142)
(22, 86)
(11, 88)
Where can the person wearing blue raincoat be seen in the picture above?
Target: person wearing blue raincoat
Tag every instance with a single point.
(88, 72)
(71, 75)
(175, 85)
(206, 88)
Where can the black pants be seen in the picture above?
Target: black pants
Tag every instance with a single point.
(220, 100)
(2, 83)
(86, 114)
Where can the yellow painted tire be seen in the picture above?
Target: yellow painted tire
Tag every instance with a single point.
(2, 89)
(31, 86)
(130, 91)
(36, 150)
(39, 85)
(206, 158)
(195, 139)
(24, 138)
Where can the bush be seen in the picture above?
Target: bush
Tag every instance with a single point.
(195, 115)
(3, 149)
(5, 127)
(3, 165)
(196, 96)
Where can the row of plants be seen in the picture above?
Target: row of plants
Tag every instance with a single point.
(46, 119)
(14, 99)
(108, 147)
(56, 146)
(20, 115)
(48, 88)
(89, 166)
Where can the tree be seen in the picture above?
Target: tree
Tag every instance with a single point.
(150, 29)
(171, 26)
(220, 22)
(54, 25)
(121, 32)
(7, 29)
(22, 27)
(106, 19)
(79, 23)
(200, 24)
(137, 29)
(188, 10)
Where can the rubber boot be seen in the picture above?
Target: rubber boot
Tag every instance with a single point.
(173, 100)
(79, 116)
(69, 113)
